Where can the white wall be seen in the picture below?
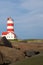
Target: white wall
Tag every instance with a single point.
(9, 36)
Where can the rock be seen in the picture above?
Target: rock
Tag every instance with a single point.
(11, 55)
(30, 53)
(6, 42)
(36, 52)
(1, 58)
(3, 61)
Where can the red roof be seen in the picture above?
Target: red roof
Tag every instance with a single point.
(4, 33)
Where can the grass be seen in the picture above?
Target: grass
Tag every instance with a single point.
(36, 60)
(28, 40)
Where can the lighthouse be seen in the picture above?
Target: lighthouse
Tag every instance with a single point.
(10, 33)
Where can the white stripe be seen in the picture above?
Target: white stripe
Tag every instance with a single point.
(10, 27)
(10, 22)
(11, 31)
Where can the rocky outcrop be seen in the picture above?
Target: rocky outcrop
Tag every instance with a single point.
(10, 55)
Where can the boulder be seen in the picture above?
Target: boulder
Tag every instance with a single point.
(30, 53)
(6, 42)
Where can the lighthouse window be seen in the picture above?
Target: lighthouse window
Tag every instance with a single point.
(9, 37)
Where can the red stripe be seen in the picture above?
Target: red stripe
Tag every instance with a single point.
(10, 29)
(10, 24)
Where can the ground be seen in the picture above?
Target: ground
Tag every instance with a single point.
(36, 45)
(15, 53)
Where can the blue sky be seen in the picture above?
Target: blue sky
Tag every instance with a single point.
(27, 15)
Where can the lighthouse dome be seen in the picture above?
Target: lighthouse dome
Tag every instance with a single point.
(10, 20)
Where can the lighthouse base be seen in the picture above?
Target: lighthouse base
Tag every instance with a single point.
(9, 35)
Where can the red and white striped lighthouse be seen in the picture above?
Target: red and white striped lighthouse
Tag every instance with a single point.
(10, 25)
(9, 34)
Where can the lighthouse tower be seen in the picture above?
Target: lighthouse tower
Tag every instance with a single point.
(10, 25)
(9, 34)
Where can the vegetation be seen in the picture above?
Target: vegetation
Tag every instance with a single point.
(36, 60)
(28, 40)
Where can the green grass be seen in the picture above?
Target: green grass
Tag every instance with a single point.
(36, 60)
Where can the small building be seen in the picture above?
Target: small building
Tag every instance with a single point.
(9, 34)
